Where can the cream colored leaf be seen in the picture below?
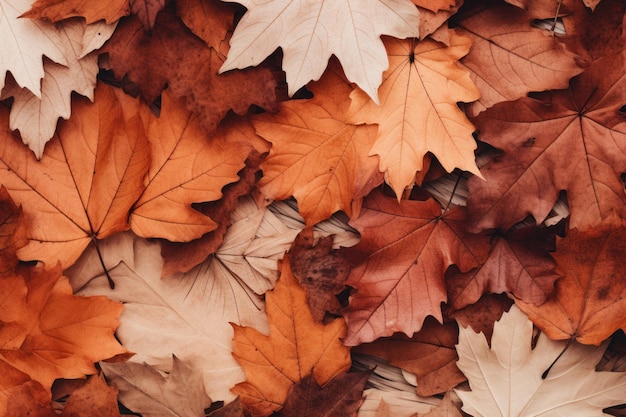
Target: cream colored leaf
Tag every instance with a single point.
(309, 32)
(506, 379)
(24, 42)
(187, 315)
(397, 403)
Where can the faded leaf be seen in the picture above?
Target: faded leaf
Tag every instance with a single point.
(446, 409)
(509, 58)
(317, 155)
(519, 263)
(396, 403)
(24, 43)
(87, 180)
(339, 397)
(506, 380)
(296, 346)
(186, 166)
(404, 252)
(572, 140)
(171, 55)
(186, 315)
(232, 409)
(418, 111)
(94, 398)
(149, 392)
(430, 354)
(309, 33)
(56, 10)
(590, 300)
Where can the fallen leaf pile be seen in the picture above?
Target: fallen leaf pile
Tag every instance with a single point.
(303, 208)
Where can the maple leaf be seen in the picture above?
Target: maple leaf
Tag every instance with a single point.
(145, 390)
(18, 392)
(210, 20)
(395, 403)
(56, 10)
(146, 11)
(87, 180)
(339, 397)
(585, 122)
(518, 263)
(20, 35)
(316, 155)
(309, 33)
(48, 333)
(506, 380)
(481, 315)
(186, 314)
(296, 346)
(588, 304)
(95, 397)
(418, 112)
(186, 166)
(171, 55)
(36, 117)
(509, 58)
(429, 354)
(232, 409)
(12, 232)
(403, 254)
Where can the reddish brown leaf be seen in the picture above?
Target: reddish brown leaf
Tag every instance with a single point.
(210, 20)
(590, 300)
(405, 250)
(146, 11)
(481, 315)
(339, 397)
(572, 140)
(429, 354)
(95, 398)
(518, 263)
(12, 232)
(56, 10)
(29, 399)
(320, 270)
(232, 409)
(171, 55)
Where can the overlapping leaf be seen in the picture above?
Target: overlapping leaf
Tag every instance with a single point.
(418, 112)
(56, 10)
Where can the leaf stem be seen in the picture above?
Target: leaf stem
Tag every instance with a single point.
(106, 271)
(544, 375)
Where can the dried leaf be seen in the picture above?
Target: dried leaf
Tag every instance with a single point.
(56, 10)
(95, 398)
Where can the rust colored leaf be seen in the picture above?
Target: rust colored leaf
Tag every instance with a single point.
(48, 333)
(404, 252)
(29, 399)
(429, 354)
(418, 111)
(171, 55)
(572, 140)
(482, 315)
(92, 11)
(12, 232)
(519, 263)
(320, 270)
(296, 346)
(88, 178)
(146, 11)
(509, 57)
(339, 397)
(590, 300)
(186, 166)
(317, 155)
(95, 398)
(210, 20)
(435, 5)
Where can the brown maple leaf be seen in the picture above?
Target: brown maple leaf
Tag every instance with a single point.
(171, 55)
(572, 140)
(146, 11)
(482, 315)
(404, 252)
(297, 345)
(339, 397)
(87, 180)
(429, 354)
(12, 232)
(56, 10)
(186, 166)
(518, 263)
(590, 300)
(94, 398)
(317, 155)
(210, 20)
(509, 57)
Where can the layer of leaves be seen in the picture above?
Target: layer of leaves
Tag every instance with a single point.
(56, 10)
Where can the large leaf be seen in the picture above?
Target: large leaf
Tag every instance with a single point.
(506, 379)
(296, 346)
(418, 111)
(186, 314)
(310, 32)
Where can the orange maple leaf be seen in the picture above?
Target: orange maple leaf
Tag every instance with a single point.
(316, 155)
(12, 232)
(92, 11)
(589, 303)
(296, 346)
(404, 252)
(418, 111)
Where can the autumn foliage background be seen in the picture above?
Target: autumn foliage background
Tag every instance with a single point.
(288, 208)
